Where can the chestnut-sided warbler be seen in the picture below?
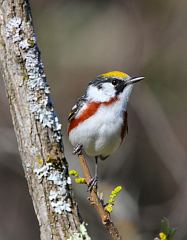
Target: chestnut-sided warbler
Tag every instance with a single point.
(98, 121)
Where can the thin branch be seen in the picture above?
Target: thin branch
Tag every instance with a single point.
(97, 203)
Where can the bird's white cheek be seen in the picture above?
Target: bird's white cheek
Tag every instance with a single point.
(100, 95)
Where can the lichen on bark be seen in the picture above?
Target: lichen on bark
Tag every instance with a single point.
(36, 125)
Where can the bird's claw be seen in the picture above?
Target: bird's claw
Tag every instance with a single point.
(77, 149)
(93, 183)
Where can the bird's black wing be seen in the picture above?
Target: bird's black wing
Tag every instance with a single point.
(75, 109)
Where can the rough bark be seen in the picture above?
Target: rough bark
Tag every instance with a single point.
(37, 128)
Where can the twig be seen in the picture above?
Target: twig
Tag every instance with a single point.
(96, 202)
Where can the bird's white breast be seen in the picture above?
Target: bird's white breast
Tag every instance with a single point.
(100, 134)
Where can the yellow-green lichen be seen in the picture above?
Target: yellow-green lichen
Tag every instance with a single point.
(162, 236)
(112, 198)
(78, 179)
(74, 173)
(39, 160)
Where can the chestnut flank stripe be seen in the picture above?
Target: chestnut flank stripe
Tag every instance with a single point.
(124, 129)
(88, 112)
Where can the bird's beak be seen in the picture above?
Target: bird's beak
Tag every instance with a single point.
(133, 80)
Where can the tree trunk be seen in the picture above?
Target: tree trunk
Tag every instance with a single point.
(37, 128)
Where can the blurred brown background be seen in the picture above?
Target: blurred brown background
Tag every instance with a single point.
(78, 41)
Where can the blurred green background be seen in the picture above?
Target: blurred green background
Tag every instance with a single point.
(78, 41)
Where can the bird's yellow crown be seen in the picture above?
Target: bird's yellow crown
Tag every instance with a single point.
(117, 74)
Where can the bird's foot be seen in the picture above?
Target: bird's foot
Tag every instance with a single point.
(93, 183)
(77, 149)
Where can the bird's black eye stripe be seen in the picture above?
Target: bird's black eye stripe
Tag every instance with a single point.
(98, 82)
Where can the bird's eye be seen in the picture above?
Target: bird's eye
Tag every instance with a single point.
(114, 82)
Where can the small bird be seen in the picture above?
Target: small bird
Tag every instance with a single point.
(98, 121)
